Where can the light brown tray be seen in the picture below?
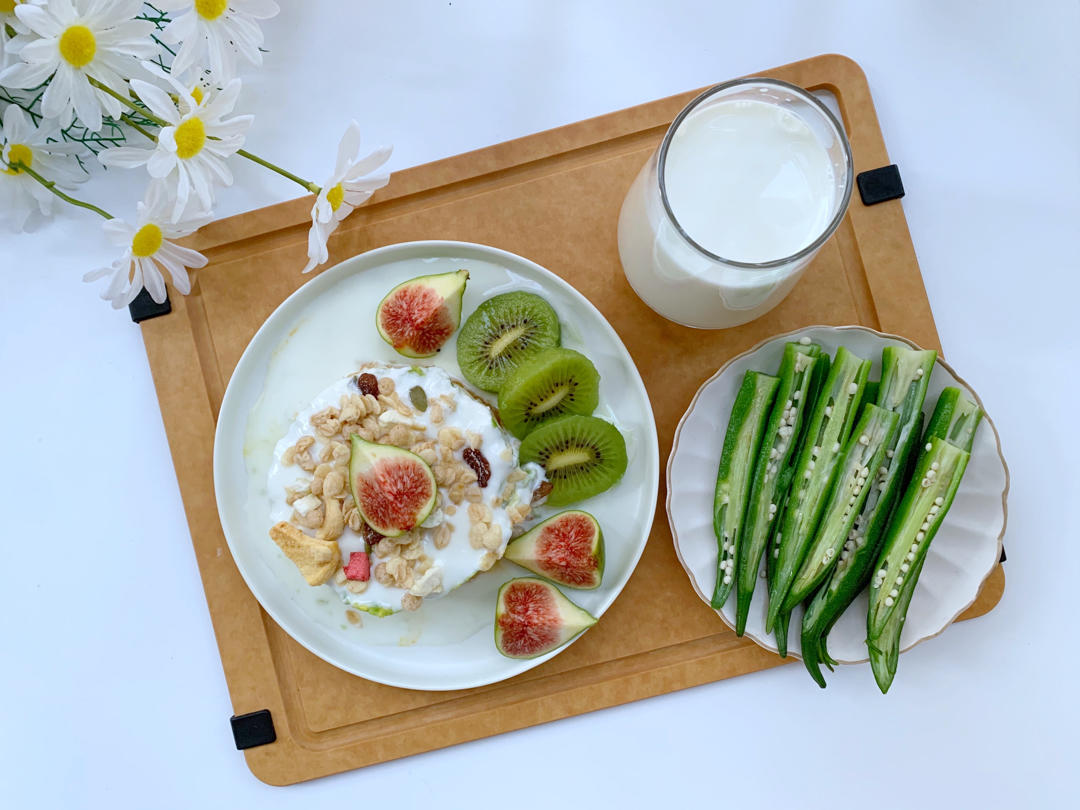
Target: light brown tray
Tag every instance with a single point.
(554, 198)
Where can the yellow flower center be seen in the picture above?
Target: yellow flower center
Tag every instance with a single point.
(19, 153)
(197, 93)
(211, 9)
(7, 6)
(335, 196)
(147, 240)
(78, 46)
(190, 138)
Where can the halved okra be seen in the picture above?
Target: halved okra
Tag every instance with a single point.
(830, 425)
(905, 375)
(857, 472)
(802, 370)
(930, 493)
(735, 473)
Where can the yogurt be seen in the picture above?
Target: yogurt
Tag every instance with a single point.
(458, 560)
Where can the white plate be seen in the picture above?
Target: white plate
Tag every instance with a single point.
(448, 643)
(965, 549)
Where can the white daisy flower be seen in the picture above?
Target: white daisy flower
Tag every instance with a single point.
(345, 189)
(74, 41)
(9, 45)
(191, 151)
(27, 145)
(213, 32)
(147, 250)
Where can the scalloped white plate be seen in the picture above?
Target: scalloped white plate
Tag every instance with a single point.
(323, 332)
(965, 549)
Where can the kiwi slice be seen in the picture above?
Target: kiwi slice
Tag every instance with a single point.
(554, 383)
(503, 332)
(583, 456)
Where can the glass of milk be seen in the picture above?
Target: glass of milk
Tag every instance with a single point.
(750, 181)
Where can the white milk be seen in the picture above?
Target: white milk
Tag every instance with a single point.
(748, 180)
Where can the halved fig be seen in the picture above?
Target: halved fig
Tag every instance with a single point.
(418, 316)
(393, 488)
(567, 548)
(532, 617)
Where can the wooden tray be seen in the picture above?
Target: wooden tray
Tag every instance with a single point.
(554, 198)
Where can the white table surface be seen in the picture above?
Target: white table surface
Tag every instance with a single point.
(113, 694)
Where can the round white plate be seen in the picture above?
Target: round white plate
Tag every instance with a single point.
(324, 331)
(965, 549)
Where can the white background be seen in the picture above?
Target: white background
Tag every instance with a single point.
(112, 691)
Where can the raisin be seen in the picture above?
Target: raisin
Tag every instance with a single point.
(370, 535)
(542, 491)
(479, 465)
(368, 384)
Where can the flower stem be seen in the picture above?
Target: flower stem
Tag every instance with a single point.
(127, 119)
(51, 186)
(312, 187)
(307, 184)
(127, 102)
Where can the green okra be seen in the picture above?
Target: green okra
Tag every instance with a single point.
(801, 372)
(833, 417)
(931, 491)
(857, 472)
(735, 473)
(905, 375)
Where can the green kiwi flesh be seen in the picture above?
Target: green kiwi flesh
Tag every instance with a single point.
(554, 383)
(502, 333)
(582, 456)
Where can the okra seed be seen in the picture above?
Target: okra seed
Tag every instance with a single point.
(904, 567)
(811, 464)
(787, 405)
(911, 556)
(889, 454)
(864, 440)
(918, 372)
(853, 389)
(934, 465)
(929, 447)
(894, 593)
(828, 410)
(899, 581)
(881, 573)
(776, 553)
(934, 510)
(804, 341)
(796, 396)
(888, 601)
(727, 580)
(881, 486)
(930, 474)
(843, 555)
(836, 447)
(938, 501)
(807, 475)
(920, 536)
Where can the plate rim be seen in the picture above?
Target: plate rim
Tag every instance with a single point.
(771, 647)
(498, 256)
